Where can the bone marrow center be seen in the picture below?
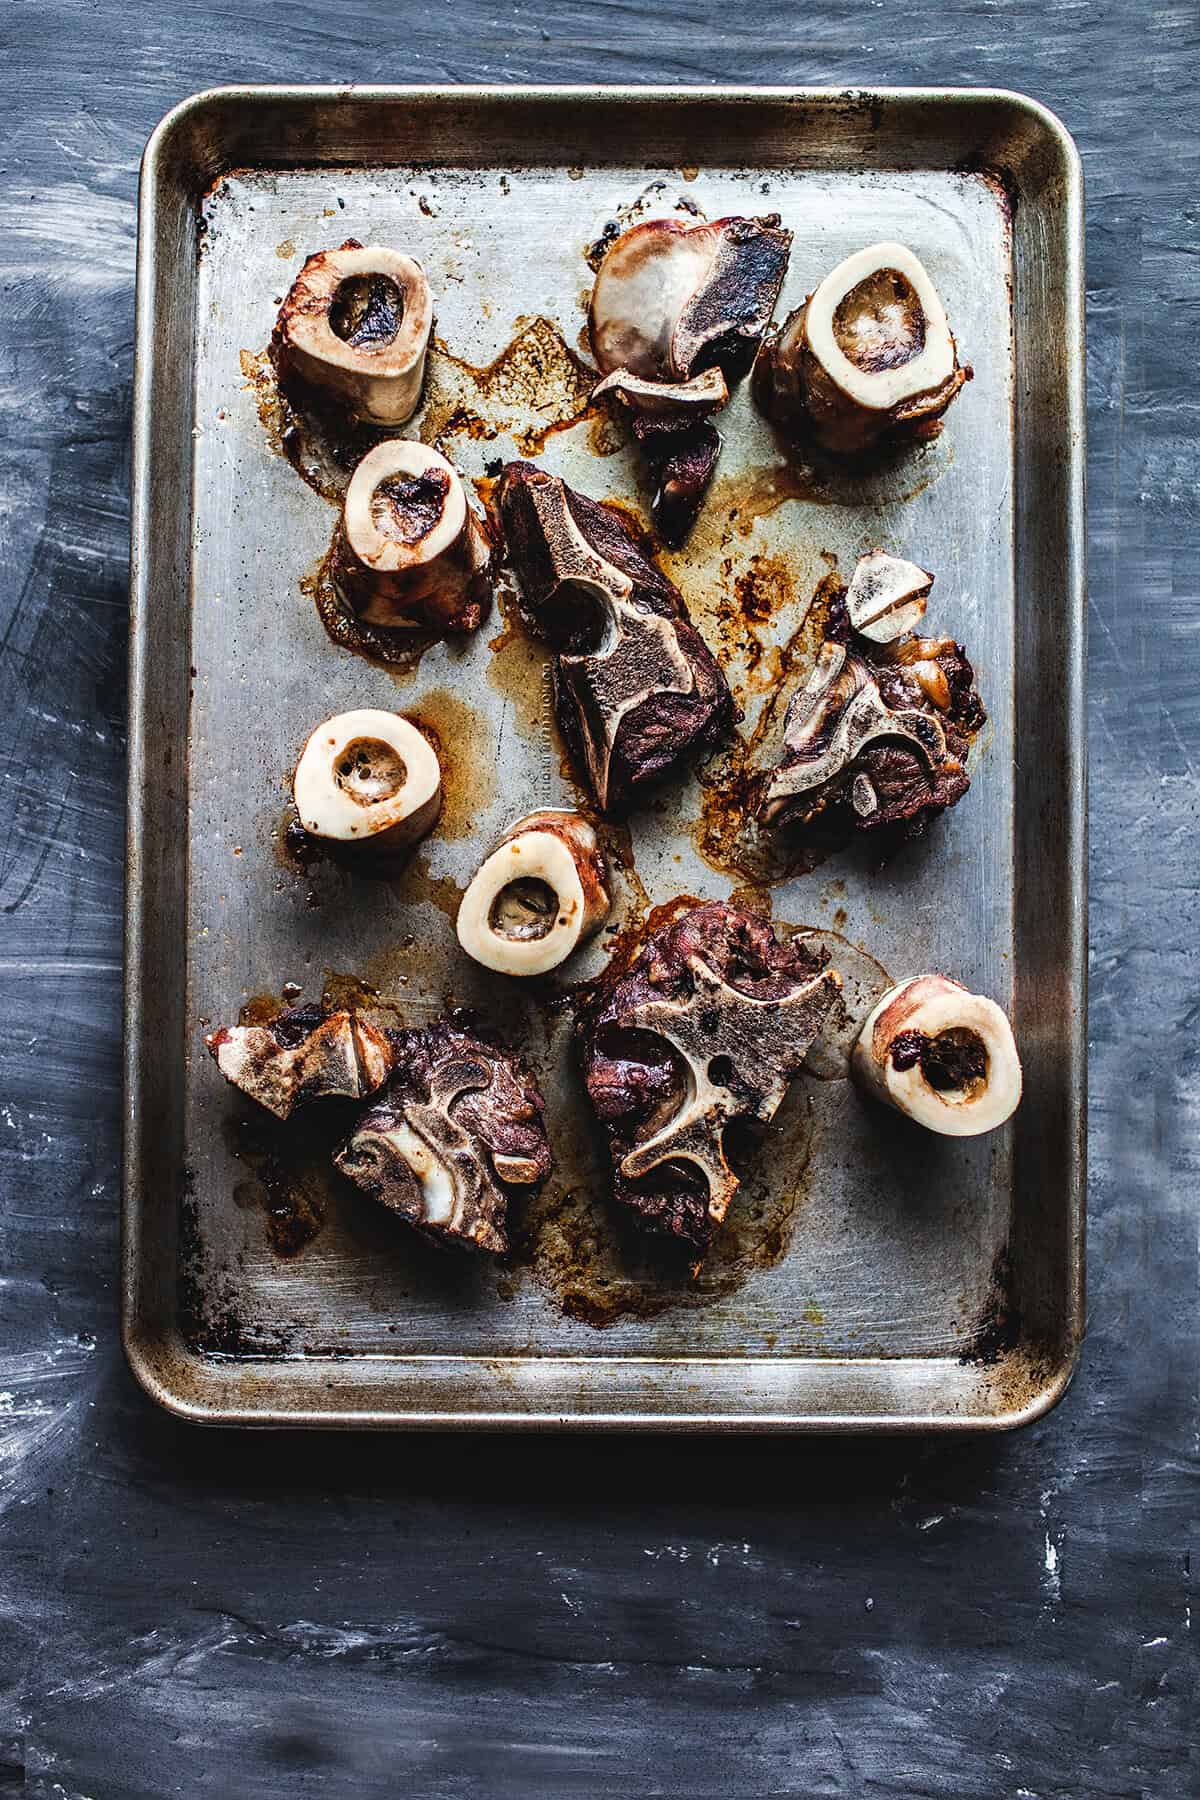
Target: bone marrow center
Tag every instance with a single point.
(954, 1062)
(880, 323)
(367, 311)
(368, 771)
(524, 909)
(406, 508)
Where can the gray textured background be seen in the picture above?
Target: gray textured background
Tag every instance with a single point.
(206, 1615)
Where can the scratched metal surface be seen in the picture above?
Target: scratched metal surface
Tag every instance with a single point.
(206, 1613)
(857, 1239)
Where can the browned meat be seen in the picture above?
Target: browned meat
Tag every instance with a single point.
(707, 1026)
(459, 1126)
(637, 689)
(877, 739)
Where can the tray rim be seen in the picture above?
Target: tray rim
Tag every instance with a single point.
(146, 1355)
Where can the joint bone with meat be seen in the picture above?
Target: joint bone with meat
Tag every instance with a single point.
(707, 1026)
(679, 308)
(878, 736)
(637, 689)
(458, 1129)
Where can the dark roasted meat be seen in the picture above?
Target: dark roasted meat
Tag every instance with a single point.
(637, 689)
(708, 1025)
(304, 1054)
(676, 301)
(877, 738)
(458, 1127)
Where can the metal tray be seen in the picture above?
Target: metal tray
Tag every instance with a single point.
(870, 1277)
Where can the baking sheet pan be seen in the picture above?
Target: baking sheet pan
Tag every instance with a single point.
(870, 1276)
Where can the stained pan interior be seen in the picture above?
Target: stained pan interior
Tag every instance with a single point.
(918, 1283)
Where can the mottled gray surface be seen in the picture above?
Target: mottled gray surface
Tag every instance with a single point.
(196, 1615)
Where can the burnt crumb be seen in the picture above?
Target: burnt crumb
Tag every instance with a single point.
(595, 253)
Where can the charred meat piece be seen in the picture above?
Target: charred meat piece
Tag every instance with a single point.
(637, 689)
(678, 311)
(869, 355)
(304, 1054)
(355, 327)
(877, 737)
(708, 1025)
(412, 552)
(458, 1127)
(940, 1055)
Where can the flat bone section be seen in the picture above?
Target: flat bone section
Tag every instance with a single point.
(886, 596)
(355, 326)
(412, 551)
(368, 782)
(877, 737)
(637, 690)
(305, 1054)
(458, 1128)
(678, 311)
(708, 1025)
(868, 356)
(940, 1055)
(541, 893)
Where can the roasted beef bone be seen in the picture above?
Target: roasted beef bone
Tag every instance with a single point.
(304, 1054)
(637, 689)
(458, 1126)
(675, 302)
(878, 735)
(708, 1025)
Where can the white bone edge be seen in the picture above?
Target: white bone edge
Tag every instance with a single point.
(706, 392)
(383, 381)
(433, 1177)
(372, 547)
(932, 1004)
(886, 596)
(525, 855)
(327, 811)
(885, 388)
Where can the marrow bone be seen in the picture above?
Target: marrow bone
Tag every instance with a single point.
(356, 323)
(540, 893)
(368, 778)
(869, 354)
(412, 551)
(941, 1055)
